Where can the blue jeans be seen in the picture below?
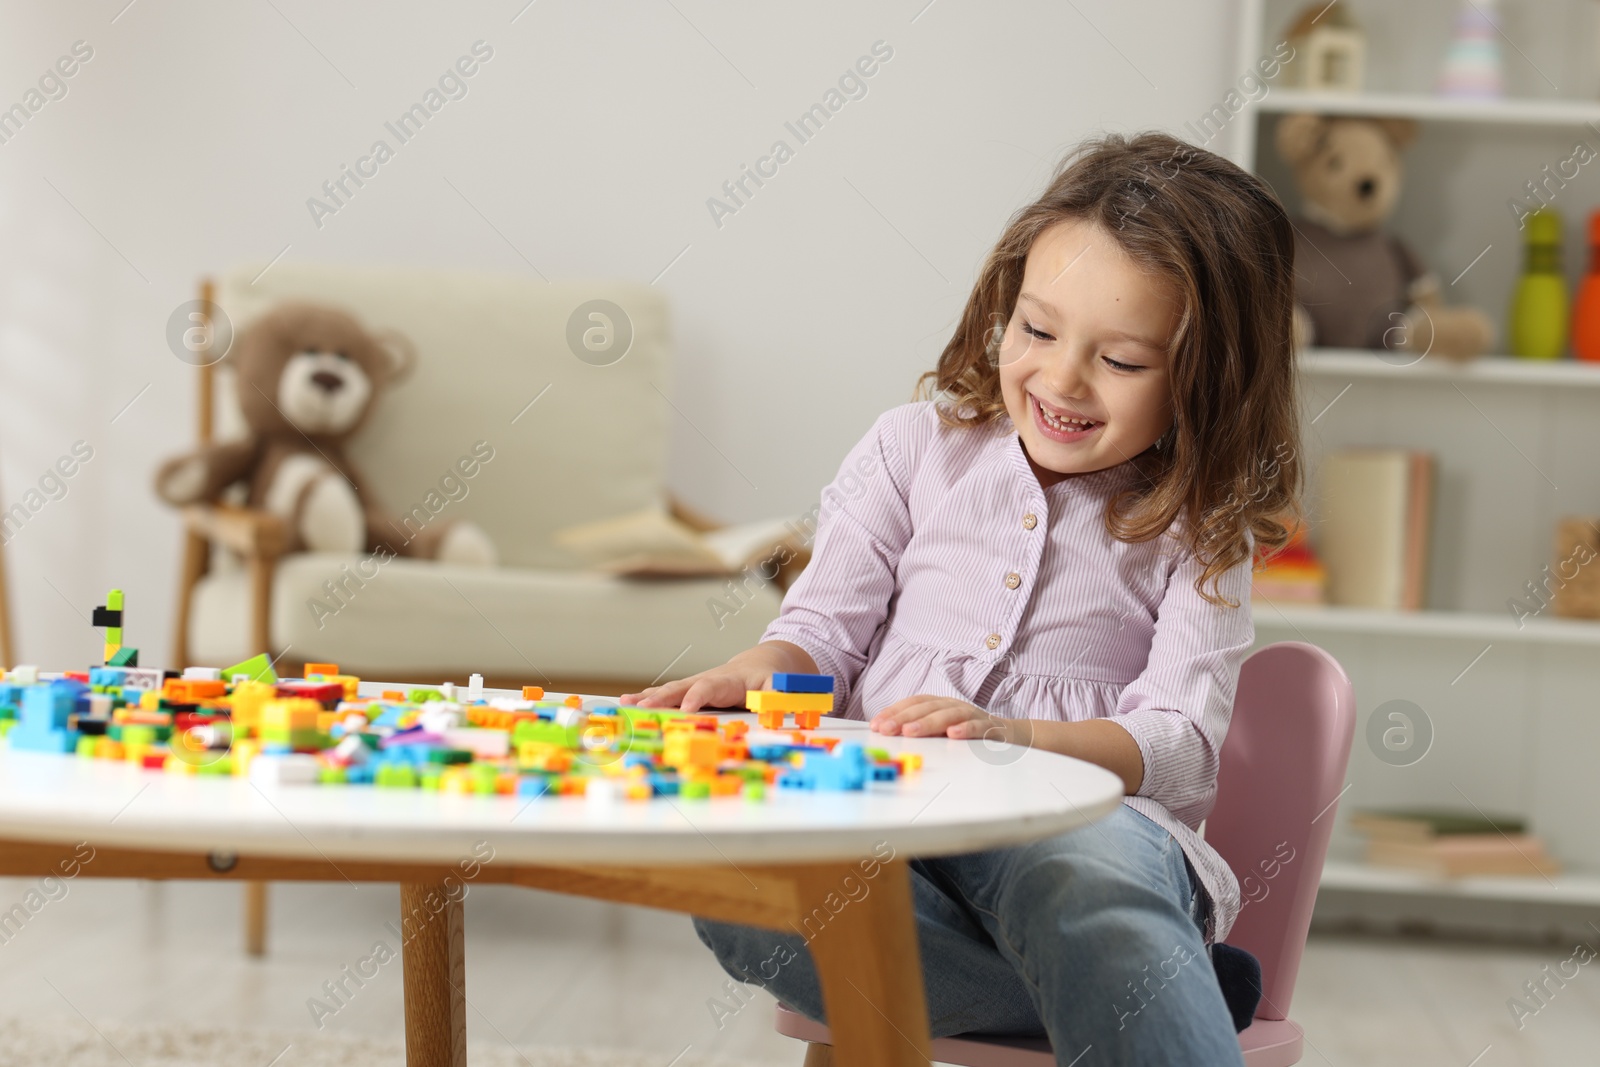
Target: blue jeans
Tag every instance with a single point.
(1093, 938)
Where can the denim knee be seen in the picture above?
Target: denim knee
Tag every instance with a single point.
(778, 963)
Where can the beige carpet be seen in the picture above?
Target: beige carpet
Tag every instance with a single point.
(73, 1042)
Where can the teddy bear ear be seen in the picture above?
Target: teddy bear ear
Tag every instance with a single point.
(1401, 131)
(401, 352)
(1298, 136)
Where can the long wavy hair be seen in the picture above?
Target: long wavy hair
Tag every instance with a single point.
(1230, 466)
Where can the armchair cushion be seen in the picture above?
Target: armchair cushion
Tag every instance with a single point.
(504, 621)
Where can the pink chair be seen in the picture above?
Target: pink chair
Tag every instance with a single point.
(1282, 773)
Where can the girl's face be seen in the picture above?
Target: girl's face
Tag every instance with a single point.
(1083, 362)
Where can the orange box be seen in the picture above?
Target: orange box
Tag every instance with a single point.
(321, 668)
(533, 692)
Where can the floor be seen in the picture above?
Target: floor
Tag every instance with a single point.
(551, 970)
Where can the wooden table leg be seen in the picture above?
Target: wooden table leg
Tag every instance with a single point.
(867, 959)
(255, 918)
(435, 963)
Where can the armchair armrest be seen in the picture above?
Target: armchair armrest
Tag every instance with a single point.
(252, 533)
(747, 538)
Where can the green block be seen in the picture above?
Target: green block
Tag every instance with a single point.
(138, 733)
(125, 657)
(423, 696)
(8, 711)
(221, 766)
(755, 790)
(86, 745)
(694, 790)
(259, 668)
(449, 755)
(550, 732)
(332, 775)
(484, 778)
(430, 774)
(6, 725)
(396, 776)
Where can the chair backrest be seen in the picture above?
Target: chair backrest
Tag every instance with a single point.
(594, 446)
(1282, 772)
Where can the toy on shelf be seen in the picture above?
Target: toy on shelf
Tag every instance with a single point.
(807, 696)
(1357, 286)
(1330, 49)
(1472, 65)
(1586, 308)
(1538, 321)
(244, 720)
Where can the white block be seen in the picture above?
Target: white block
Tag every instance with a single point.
(485, 744)
(296, 768)
(566, 716)
(23, 675)
(475, 687)
(603, 790)
(202, 674)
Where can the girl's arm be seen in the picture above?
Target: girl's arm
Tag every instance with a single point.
(836, 606)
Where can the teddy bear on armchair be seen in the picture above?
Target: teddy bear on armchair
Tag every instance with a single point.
(308, 377)
(1355, 285)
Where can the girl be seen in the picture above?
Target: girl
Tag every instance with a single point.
(1057, 552)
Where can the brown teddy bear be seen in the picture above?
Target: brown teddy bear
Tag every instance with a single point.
(307, 379)
(1356, 286)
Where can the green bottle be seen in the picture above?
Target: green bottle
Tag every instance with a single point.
(1538, 328)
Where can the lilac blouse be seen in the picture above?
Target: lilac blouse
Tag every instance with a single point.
(941, 566)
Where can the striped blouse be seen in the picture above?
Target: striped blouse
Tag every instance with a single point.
(941, 566)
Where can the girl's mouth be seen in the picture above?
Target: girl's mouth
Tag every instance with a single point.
(1060, 428)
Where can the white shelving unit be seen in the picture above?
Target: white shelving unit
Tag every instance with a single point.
(1514, 709)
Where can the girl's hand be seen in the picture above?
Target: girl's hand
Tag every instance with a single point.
(720, 687)
(930, 716)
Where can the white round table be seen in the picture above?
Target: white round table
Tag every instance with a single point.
(779, 862)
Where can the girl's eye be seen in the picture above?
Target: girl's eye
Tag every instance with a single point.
(1121, 366)
(1029, 329)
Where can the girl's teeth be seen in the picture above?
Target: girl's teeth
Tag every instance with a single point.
(1065, 423)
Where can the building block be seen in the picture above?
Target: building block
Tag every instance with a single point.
(203, 674)
(109, 616)
(124, 657)
(759, 700)
(280, 770)
(789, 682)
(848, 769)
(321, 668)
(256, 668)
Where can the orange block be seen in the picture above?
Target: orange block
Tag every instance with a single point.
(533, 692)
(321, 668)
(393, 694)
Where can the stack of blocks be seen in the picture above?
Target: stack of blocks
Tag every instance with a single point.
(807, 696)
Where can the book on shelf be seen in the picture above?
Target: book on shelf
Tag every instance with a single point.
(1377, 508)
(1451, 843)
(1293, 574)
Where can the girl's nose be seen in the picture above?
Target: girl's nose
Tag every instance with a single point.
(1066, 376)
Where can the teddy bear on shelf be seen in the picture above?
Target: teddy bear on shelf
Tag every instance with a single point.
(308, 377)
(1355, 285)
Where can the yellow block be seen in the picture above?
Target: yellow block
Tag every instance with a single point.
(291, 713)
(244, 750)
(759, 700)
(696, 748)
(247, 701)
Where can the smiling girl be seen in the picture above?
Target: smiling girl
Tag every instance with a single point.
(1056, 551)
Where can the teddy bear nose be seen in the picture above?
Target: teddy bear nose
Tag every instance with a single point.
(328, 381)
(1366, 187)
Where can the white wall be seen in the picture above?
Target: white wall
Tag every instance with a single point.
(593, 137)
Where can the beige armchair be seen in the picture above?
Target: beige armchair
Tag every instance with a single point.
(572, 442)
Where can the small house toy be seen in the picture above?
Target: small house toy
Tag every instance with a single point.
(1330, 50)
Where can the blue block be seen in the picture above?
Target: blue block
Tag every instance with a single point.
(532, 785)
(359, 774)
(106, 678)
(663, 785)
(885, 772)
(789, 682)
(849, 768)
(11, 694)
(33, 739)
(47, 706)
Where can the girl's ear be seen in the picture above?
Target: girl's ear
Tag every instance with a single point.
(402, 354)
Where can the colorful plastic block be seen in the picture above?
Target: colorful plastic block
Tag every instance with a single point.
(789, 682)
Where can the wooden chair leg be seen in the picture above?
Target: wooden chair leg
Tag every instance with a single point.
(255, 918)
(433, 954)
(819, 1055)
(5, 616)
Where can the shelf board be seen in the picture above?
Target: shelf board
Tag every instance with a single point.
(1565, 888)
(1509, 370)
(1426, 107)
(1463, 625)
